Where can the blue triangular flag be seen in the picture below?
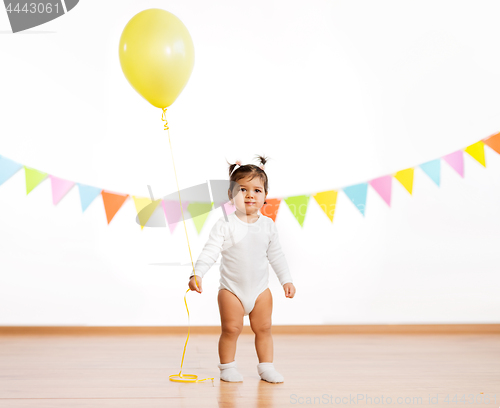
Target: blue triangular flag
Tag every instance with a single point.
(357, 194)
(433, 170)
(7, 169)
(87, 194)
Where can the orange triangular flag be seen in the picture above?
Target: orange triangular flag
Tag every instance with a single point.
(271, 208)
(493, 141)
(112, 203)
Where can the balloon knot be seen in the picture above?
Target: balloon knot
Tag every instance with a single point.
(164, 118)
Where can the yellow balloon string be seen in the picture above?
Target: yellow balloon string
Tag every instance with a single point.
(182, 377)
(164, 118)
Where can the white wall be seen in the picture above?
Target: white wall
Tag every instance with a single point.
(337, 93)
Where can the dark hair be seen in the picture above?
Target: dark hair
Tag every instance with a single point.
(248, 170)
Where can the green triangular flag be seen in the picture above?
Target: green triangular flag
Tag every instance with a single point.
(202, 209)
(33, 178)
(298, 206)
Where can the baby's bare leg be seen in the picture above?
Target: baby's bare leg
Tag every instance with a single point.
(260, 322)
(231, 315)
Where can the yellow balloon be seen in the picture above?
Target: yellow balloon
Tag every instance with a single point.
(157, 55)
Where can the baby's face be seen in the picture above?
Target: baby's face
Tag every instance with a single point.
(250, 197)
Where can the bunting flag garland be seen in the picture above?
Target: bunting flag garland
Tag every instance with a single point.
(405, 177)
(60, 188)
(271, 208)
(173, 212)
(383, 186)
(33, 178)
(476, 151)
(87, 195)
(357, 195)
(433, 170)
(8, 168)
(203, 209)
(456, 161)
(229, 208)
(144, 203)
(112, 203)
(298, 205)
(493, 142)
(327, 201)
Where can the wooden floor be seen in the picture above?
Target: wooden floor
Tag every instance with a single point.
(321, 370)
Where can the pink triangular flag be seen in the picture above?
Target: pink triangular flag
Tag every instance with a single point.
(173, 212)
(456, 161)
(60, 188)
(383, 186)
(230, 208)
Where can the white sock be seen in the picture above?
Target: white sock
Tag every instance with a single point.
(268, 373)
(228, 372)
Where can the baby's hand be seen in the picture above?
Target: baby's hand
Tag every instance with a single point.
(192, 284)
(289, 290)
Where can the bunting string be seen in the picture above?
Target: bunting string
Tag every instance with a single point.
(298, 204)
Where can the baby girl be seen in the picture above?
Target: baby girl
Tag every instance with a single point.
(248, 242)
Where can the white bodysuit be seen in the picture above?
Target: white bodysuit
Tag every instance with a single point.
(247, 249)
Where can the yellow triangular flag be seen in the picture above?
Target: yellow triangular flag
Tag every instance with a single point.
(327, 201)
(140, 204)
(476, 151)
(33, 178)
(405, 177)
